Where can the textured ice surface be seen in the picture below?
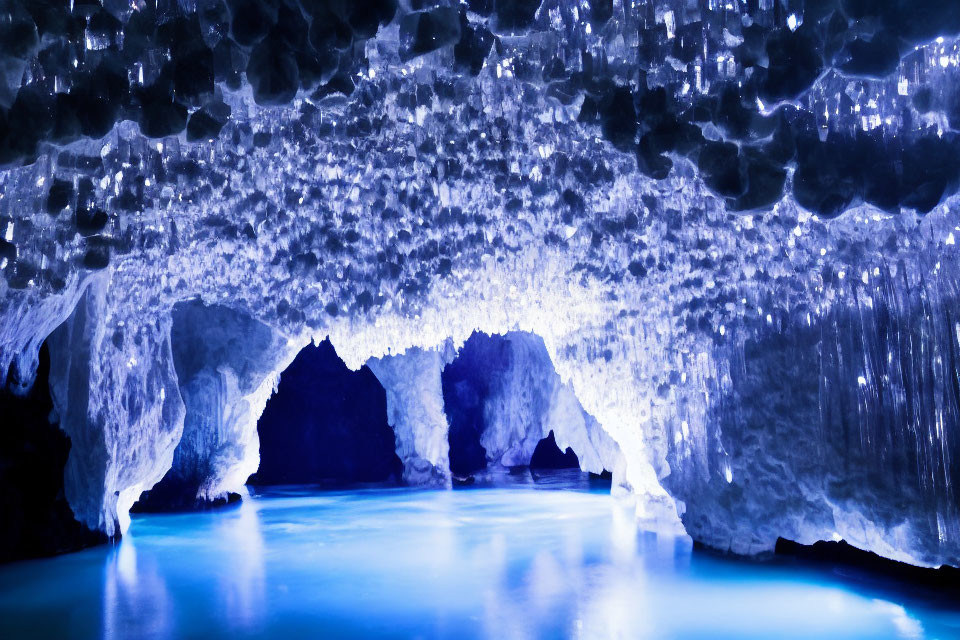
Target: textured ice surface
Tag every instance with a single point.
(227, 365)
(415, 411)
(115, 390)
(509, 383)
(731, 223)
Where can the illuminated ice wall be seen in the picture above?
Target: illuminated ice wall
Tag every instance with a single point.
(732, 224)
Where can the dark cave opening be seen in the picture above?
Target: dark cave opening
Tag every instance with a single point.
(37, 520)
(548, 455)
(466, 386)
(326, 424)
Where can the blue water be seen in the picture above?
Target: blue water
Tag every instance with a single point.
(522, 561)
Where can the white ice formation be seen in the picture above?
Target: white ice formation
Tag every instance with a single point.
(415, 411)
(227, 366)
(752, 375)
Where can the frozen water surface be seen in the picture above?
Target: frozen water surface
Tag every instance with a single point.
(518, 561)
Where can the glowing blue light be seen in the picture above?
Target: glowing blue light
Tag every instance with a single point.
(482, 563)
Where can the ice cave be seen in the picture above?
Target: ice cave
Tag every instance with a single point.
(453, 319)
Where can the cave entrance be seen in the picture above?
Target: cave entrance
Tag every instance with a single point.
(507, 409)
(499, 408)
(326, 424)
(547, 455)
(37, 520)
(507, 413)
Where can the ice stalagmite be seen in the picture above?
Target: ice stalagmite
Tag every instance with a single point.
(415, 411)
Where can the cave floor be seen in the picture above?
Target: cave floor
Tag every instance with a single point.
(525, 560)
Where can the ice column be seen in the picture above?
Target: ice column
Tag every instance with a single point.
(415, 411)
(114, 386)
(228, 364)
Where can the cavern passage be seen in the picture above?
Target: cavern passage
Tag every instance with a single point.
(708, 246)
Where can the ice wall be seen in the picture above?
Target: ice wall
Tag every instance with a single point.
(115, 389)
(843, 420)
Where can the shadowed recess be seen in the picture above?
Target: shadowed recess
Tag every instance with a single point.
(35, 519)
(326, 423)
(548, 455)
(466, 386)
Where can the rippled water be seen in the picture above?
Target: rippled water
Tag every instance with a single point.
(522, 561)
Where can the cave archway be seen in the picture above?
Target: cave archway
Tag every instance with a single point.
(507, 408)
(326, 424)
(498, 405)
(547, 455)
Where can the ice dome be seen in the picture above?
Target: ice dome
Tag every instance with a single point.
(721, 234)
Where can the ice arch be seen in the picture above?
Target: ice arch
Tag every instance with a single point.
(117, 393)
(122, 400)
(226, 365)
(504, 397)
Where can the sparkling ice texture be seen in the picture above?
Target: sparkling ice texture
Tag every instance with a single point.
(721, 235)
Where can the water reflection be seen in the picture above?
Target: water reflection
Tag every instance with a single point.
(242, 590)
(136, 603)
(493, 562)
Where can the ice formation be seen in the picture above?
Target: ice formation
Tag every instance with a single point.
(415, 411)
(226, 365)
(732, 224)
(510, 383)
